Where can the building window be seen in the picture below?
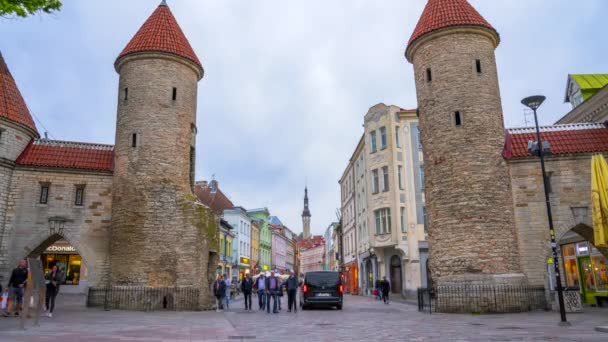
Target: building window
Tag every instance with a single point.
(478, 66)
(134, 140)
(126, 95)
(457, 119)
(373, 141)
(403, 227)
(425, 219)
(375, 182)
(429, 75)
(419, 137)
(383, 221)
(400, 171)
(1, 134)
(422, 178)
(44, 193)
(383, 137)
(397, 141)
(79, 196)
(174, 93)
(385, 178)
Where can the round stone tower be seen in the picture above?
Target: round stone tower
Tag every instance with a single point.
(467, 186)
(157, 237)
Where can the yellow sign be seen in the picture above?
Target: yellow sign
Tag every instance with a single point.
(265, 267)
(549, 260)
(244, 260)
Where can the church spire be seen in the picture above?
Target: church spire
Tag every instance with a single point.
(306, 212)
(306, 215)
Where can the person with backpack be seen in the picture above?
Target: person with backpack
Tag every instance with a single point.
(219, 291)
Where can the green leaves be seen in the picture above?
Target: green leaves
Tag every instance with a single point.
(24, 8)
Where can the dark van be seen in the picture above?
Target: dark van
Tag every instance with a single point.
(322, 288)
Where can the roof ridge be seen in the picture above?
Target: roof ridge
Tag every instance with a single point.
(12, 104)
(75, 144)
(554, 128)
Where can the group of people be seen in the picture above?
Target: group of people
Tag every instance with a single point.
(382, 290)
(267, 289)
(13, 294)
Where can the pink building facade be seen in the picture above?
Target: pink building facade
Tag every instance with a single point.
(312, 259)
(279, 250)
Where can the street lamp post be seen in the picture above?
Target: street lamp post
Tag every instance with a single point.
(533, 102)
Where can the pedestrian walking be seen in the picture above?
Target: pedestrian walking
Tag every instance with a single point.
(219, 291)
(53, 280)
(246, 287)
(228, 285)
(379, 289)
(260, 285)
(272, 287)
(386, 289)
(292, 289)
(16, 285)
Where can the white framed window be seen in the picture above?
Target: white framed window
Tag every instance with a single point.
(400, 174)
(383, 137)
(375, 182)
(372, 136)
(403, 221)
(383, 221)
(397, 140)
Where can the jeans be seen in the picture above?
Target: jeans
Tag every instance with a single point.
(51, 294)
(291, 300)
(273, 295)
(262, 299)
(227, 298)
(247, 295)
(279, 296)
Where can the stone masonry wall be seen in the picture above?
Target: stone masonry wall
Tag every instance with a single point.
(571, 188)
(468, 193)
(27, 230)
(156, 224)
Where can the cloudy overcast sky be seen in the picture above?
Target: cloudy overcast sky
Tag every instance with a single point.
(286, 82)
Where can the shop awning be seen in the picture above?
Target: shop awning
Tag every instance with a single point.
(599, 200)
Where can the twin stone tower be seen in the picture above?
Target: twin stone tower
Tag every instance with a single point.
(161, 238)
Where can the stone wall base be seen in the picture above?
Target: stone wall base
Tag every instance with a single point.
(141, 298)
(474, 293)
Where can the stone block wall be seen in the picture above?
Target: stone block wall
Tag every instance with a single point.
(27, 230)
(467, 187)
(570, 179)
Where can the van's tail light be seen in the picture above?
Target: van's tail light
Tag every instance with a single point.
(341, 288)
(305, 288)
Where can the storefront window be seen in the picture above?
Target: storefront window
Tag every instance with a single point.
(69, 264)
(601, 272)
(588, 274)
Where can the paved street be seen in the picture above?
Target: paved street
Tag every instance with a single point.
(362, 319)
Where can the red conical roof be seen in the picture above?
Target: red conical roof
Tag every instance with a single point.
(162, 33)
(439, 14)
(12, 105)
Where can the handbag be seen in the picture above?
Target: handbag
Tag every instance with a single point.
(375, 292)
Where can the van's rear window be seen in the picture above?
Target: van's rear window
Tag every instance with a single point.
(323, 278)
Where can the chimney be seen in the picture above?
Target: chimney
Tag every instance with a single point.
(202, 184)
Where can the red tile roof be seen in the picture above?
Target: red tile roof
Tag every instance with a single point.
(162, 33)
(216, 200)
(313, 241)
(563, 139)
(439, 14)
(68, 154)
(12, 105)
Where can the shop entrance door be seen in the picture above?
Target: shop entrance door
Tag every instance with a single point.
(587, 279)
(396, 275)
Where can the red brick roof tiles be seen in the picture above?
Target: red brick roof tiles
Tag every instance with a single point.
(67, 154)
(216, 200)
(563, 139)
(439, 14)
(12, 105)
(313, 241)
(162, 33)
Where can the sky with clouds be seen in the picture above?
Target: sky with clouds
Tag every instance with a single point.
(286, 82)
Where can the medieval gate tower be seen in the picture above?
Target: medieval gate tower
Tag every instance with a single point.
(468, 193)
(160, 237)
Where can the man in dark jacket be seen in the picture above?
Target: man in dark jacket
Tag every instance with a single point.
(16, 285)
(246, 287)
(219, 291)
(292, 289)
(386, 288)
(273, 286)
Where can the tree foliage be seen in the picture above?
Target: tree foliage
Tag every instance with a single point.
(23, 8)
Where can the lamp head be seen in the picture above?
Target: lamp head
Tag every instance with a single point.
(533, 102)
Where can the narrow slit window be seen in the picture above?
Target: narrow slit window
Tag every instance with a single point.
(429, 75)
(174, 93)
(134, 140)
(478, 66)
(126, 94)
(79, 197)
(457, 119)
(44, 193)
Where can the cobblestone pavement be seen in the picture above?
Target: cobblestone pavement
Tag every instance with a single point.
(363, 319)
